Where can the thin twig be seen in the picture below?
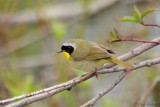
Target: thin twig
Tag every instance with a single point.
(135, 52)
(153, 25)
(135, 40)
(46, 90)
(92, 102)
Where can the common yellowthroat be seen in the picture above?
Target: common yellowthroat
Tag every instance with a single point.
(87, 55)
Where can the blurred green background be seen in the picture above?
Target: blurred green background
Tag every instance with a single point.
(32, 31)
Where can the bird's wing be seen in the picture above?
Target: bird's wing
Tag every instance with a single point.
(98, 52)
(107, 49)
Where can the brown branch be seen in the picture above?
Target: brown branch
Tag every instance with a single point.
(135, 52)
(153, 25)
(135, 40)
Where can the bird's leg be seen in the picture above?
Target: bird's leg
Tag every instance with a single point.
(81, 77)
(95, 72)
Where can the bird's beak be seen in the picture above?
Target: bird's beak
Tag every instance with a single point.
(60, 51)
(66, 55)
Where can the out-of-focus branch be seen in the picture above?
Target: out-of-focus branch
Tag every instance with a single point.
(67, 11)
(23, 42)
(145, 95)
(34, 61)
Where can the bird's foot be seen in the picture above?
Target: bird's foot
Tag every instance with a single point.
(95, 72)
(128, 70)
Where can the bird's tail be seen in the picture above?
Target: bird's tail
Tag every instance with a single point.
(119, 62)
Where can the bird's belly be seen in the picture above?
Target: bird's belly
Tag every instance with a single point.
(87, 65)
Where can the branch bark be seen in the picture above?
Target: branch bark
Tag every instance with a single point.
(45, 93)
(148, 63)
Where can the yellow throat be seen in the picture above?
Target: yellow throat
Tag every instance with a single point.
(66, 55)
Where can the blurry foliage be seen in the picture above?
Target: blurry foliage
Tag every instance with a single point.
(153, 73)
(68, 98)
(58, 29)
(156, 95)
(16, 80)
(26, 86)
(18, 5)
(30, 50)
(85, 3)
(107, 102)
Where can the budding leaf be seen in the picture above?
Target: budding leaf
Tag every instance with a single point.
(128, 19)
(114, 35)
(111, 37)
(148, 11)
(137, 14)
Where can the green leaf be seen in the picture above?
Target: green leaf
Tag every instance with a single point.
(128, 19)
(137, 14)
(148, 11)
(113, 36)
(116, 34)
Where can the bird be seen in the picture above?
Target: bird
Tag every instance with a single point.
(87, 55)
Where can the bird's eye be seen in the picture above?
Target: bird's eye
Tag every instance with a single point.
(69, 48)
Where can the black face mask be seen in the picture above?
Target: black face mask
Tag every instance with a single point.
(68, 49)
